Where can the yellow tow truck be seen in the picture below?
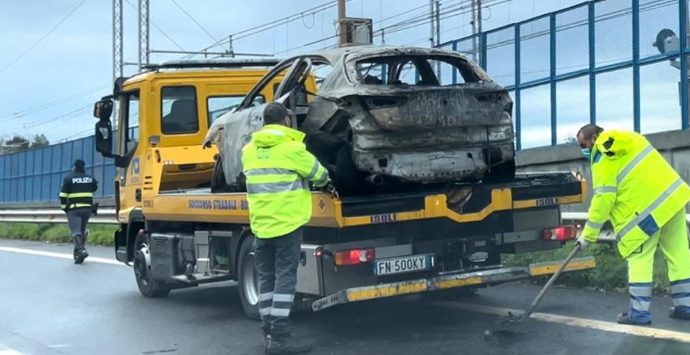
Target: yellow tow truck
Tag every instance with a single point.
(176, 231)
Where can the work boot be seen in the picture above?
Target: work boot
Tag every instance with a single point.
(678, 313)
(267, 338)
(284, 343)
(624, 318)
(82, 254)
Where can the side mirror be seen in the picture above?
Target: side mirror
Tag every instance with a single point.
(103, 109)
(104, 137)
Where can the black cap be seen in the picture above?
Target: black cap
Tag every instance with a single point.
(275, 113)
(79, 165)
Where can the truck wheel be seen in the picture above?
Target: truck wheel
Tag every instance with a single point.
(148, 286)
(248, 279)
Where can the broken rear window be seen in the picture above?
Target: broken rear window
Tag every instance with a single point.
(415, 70)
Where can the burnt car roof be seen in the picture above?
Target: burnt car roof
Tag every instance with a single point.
(360, 52)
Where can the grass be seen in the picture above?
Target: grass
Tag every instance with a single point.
(99, 234)
(611, 273)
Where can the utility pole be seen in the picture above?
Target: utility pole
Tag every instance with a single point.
(231, 47)
(437, 21)
(342, 29)
(476, 28)
(143, 33)
(432, 32)
(117, 40)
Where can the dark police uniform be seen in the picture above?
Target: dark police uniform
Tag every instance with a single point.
(76, 199)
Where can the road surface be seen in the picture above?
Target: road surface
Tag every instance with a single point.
(48, 305)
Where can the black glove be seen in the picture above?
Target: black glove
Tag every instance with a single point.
(329, 188)
(94, 209)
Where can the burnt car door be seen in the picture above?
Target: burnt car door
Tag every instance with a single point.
(233, 131)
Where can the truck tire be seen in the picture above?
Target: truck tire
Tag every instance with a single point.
(248, 279)
(148, 286)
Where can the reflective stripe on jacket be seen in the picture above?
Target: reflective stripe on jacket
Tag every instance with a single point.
(278, 169)
(77, 191)
(634, 187)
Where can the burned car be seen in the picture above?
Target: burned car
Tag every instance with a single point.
(382, 118)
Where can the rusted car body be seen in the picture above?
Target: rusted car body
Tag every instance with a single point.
(386, 117)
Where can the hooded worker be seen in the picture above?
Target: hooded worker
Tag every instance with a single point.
(278, 169)
(644, 198)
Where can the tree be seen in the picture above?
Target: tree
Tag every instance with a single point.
(39, 141)
(19, 143)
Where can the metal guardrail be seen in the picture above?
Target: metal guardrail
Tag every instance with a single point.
(105, 216)
(582, 216)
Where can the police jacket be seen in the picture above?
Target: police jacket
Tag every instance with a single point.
(634, 187)
(278, 169)
(77, 191)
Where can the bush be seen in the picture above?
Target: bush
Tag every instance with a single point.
(99, 234)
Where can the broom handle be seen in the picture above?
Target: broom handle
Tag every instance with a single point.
(553, 278)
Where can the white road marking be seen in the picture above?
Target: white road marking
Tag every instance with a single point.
(5, 350)
(90, 259)
(644, 331)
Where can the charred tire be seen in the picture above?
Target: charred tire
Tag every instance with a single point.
(502, 172)
(248, 279)
(348, 180)
(218, 183)
(148, 286)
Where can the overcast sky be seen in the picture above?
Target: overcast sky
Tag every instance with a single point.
(56, 56)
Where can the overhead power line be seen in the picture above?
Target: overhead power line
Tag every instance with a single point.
(456, 9)
(157, 28)
(40, 40)
(21, 114)
(194, 20)
(271, 25)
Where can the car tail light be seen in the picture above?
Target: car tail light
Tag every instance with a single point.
(353, 256)
(561, 233)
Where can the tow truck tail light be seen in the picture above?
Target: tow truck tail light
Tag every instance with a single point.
(561, 233)
(353, 256)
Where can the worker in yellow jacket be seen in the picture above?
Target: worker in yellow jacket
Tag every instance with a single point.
(278, 169)
(644, 198)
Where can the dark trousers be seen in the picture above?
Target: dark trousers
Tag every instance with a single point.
(276, 261)
(77, 220)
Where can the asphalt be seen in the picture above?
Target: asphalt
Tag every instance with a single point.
(51, 306)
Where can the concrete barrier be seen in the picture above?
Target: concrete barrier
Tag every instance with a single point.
(673, 145)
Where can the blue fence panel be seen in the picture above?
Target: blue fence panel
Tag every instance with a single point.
(597, 57)
(36, 175)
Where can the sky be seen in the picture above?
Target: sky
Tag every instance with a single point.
(56, 56)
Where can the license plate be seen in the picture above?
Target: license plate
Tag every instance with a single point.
(404, 264)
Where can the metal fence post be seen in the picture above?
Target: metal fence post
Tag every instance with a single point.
(636, 63)
(683, 9)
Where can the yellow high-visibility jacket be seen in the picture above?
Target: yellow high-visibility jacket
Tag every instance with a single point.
(278, 169)
(634, 187)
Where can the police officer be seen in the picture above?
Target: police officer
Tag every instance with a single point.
(76, 199)
(644, 198)
(278, 169)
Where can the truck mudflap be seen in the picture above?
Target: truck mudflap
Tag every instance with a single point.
(441, 282)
